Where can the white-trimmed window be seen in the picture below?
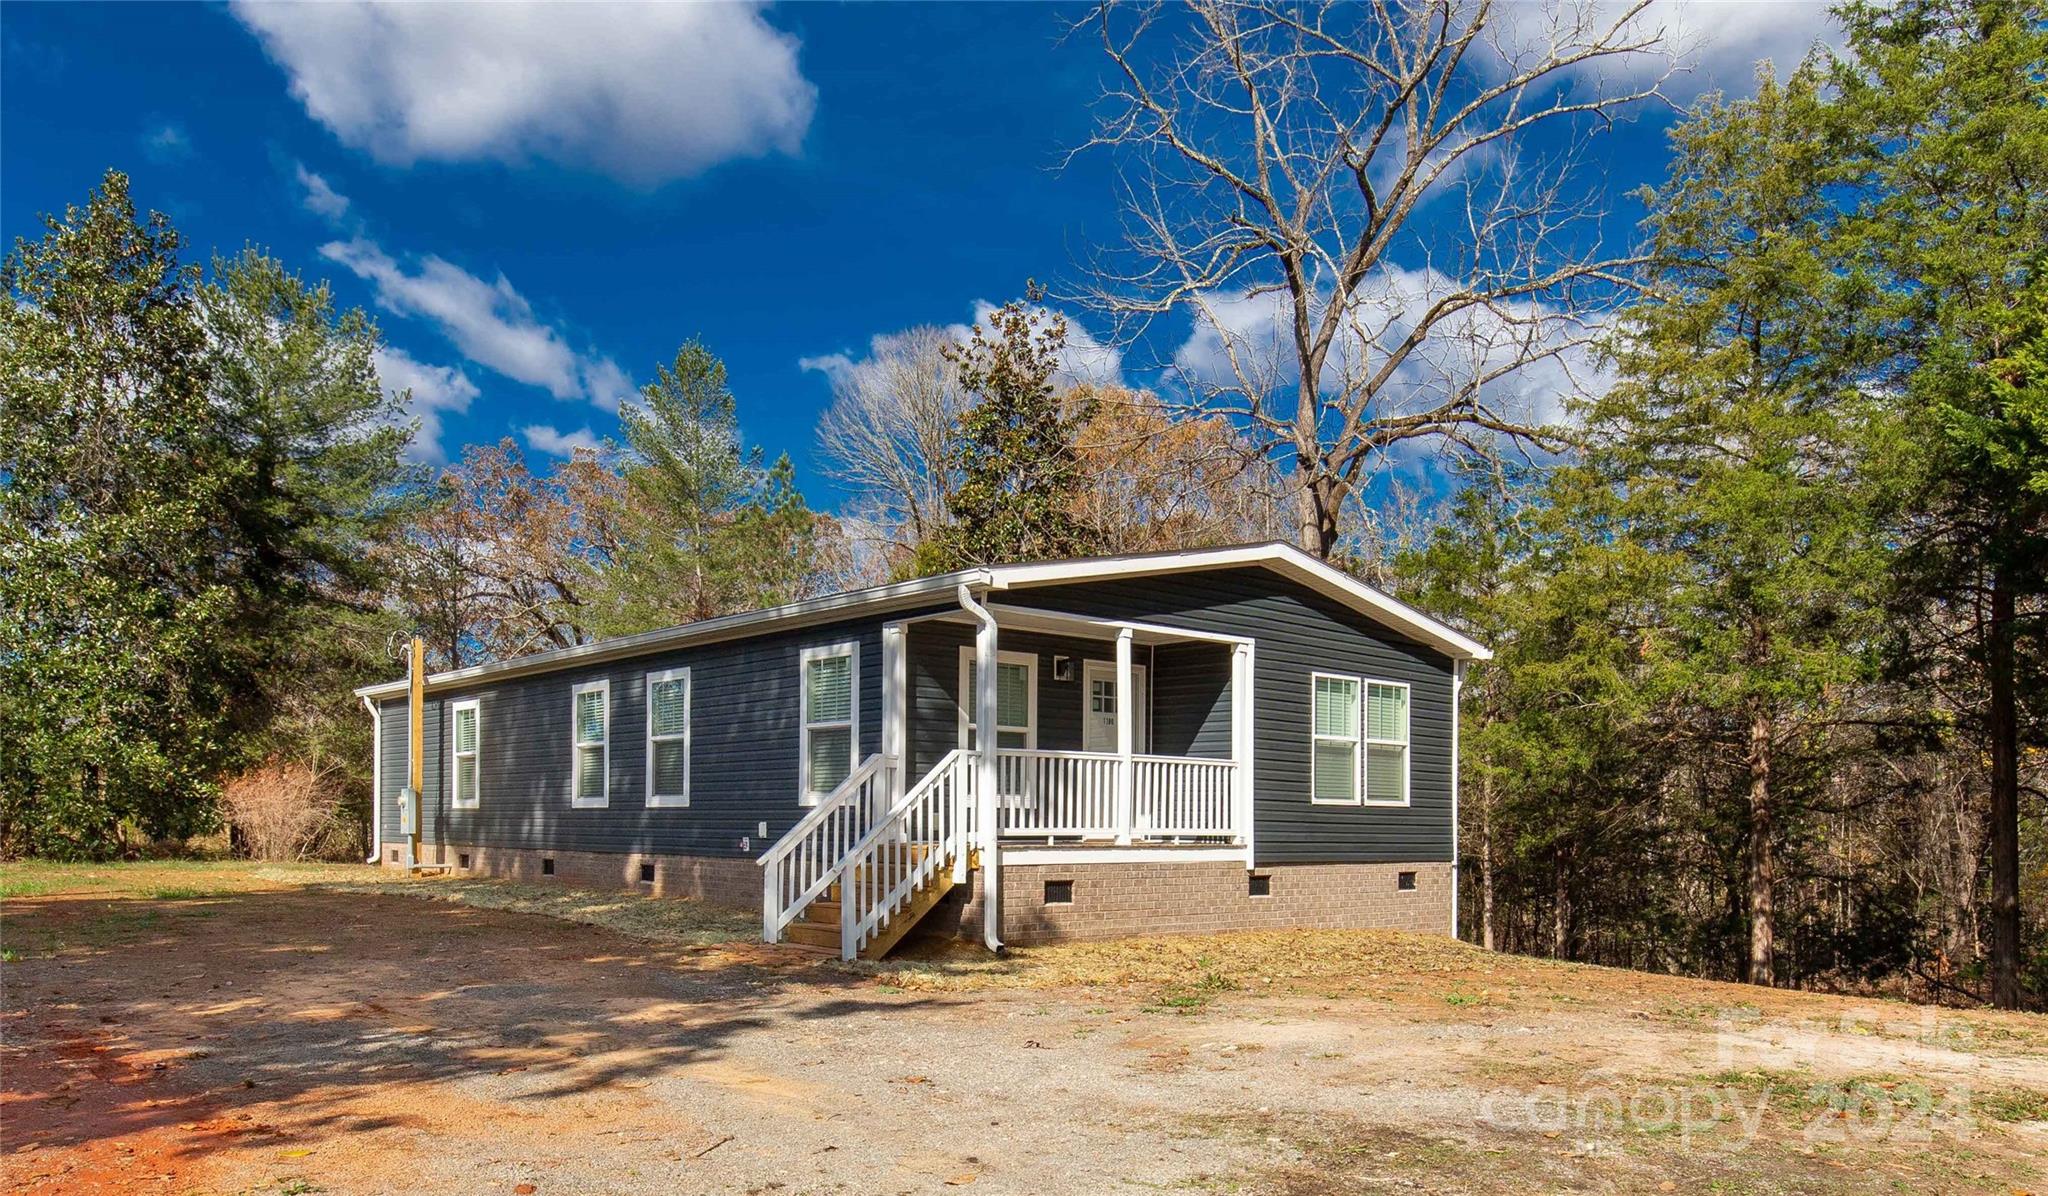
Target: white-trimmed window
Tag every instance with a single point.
(1386, 743)
(668, 738)
(1333, 769)
(590, 745)
(831, 714)
(465, 733)
(1016, 699)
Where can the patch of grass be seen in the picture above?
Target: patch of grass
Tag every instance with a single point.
(162, 879)
(654, 919)
(1193, 997)
(9, 955)
(2013, 1105)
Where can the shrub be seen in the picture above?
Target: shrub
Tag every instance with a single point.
(284, 811)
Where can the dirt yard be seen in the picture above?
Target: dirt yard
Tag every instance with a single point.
(236, 1030)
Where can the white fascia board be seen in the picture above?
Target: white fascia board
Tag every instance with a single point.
(795, 614)
(1281, 558)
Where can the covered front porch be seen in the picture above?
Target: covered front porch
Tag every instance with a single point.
(1107, 733)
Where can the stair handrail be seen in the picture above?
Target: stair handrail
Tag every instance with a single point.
(803, 863)
(875, 882)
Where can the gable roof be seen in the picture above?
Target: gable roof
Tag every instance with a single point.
(1284, 559)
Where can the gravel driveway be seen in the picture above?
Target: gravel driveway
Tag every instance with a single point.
(302, 1040)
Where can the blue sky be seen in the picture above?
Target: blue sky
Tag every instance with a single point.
(539, 205)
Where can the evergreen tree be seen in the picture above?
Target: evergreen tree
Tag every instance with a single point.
(1020, 482)
(321, 485)
(706, 528)
(117, 694)
(1946, 105)
(1729, 451)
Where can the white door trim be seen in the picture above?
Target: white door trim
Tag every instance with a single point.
(1141, 680)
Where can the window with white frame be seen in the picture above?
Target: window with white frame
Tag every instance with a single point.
(1016, 699)
(464, 737)
(590, 745)
(668, 738)
(1334, 755)
(831, 717)
(1386, 743)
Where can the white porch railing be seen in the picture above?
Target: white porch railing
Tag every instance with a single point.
(1073, 795)
(919, 836)
(805, 862)
(1055, 793)
(1183, 797)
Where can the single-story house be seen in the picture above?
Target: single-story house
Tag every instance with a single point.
(1184, 741)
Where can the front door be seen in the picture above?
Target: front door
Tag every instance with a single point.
(1098, 708)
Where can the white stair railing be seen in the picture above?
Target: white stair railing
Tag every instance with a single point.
(906, 849)
(805, 862)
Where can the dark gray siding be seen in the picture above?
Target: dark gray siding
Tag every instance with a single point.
(745, 733)
(1300, 632)
(1190, 709)
(1191, 700)
(392, 748)
(746, 728)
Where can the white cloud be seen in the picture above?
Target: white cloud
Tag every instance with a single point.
(1706, 44)
(1241, 343)
(491, 322)
(165, 143)
(605, 384)
(1083, 360)
(321, 198)
(546, 439)
(435, 389)
(642, 92)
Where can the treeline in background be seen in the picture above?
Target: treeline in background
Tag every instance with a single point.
(1753, 509)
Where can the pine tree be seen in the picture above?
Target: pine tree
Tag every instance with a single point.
(1946, 104)
(1729, 450)
(706, 529)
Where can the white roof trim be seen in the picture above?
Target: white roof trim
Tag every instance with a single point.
(1284, 559)
(725, 627)
(1281, 558)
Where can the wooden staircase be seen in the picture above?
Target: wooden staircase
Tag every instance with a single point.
(819, 928)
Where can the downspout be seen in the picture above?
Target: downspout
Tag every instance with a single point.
(985, 769)
(1457, 703)
(376, 781)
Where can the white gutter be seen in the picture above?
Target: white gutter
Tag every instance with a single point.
(985, 779)
(376, 782)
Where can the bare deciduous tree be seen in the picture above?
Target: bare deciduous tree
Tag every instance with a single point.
(1353, 203)
(1156, 481)
(889, 432)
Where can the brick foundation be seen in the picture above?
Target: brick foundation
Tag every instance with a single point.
(1109, 900)
(720, 881)
(1172, 897)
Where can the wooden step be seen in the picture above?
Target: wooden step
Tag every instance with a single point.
(808, 934)
(907, 918)
(822, 912)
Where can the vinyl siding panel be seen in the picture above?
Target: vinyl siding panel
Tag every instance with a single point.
(745, 735)
(745, 723)
(1300, 632)
(1184, 710)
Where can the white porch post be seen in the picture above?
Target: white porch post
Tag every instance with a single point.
(1241, 743)
(893, 707)
(1126, 695)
